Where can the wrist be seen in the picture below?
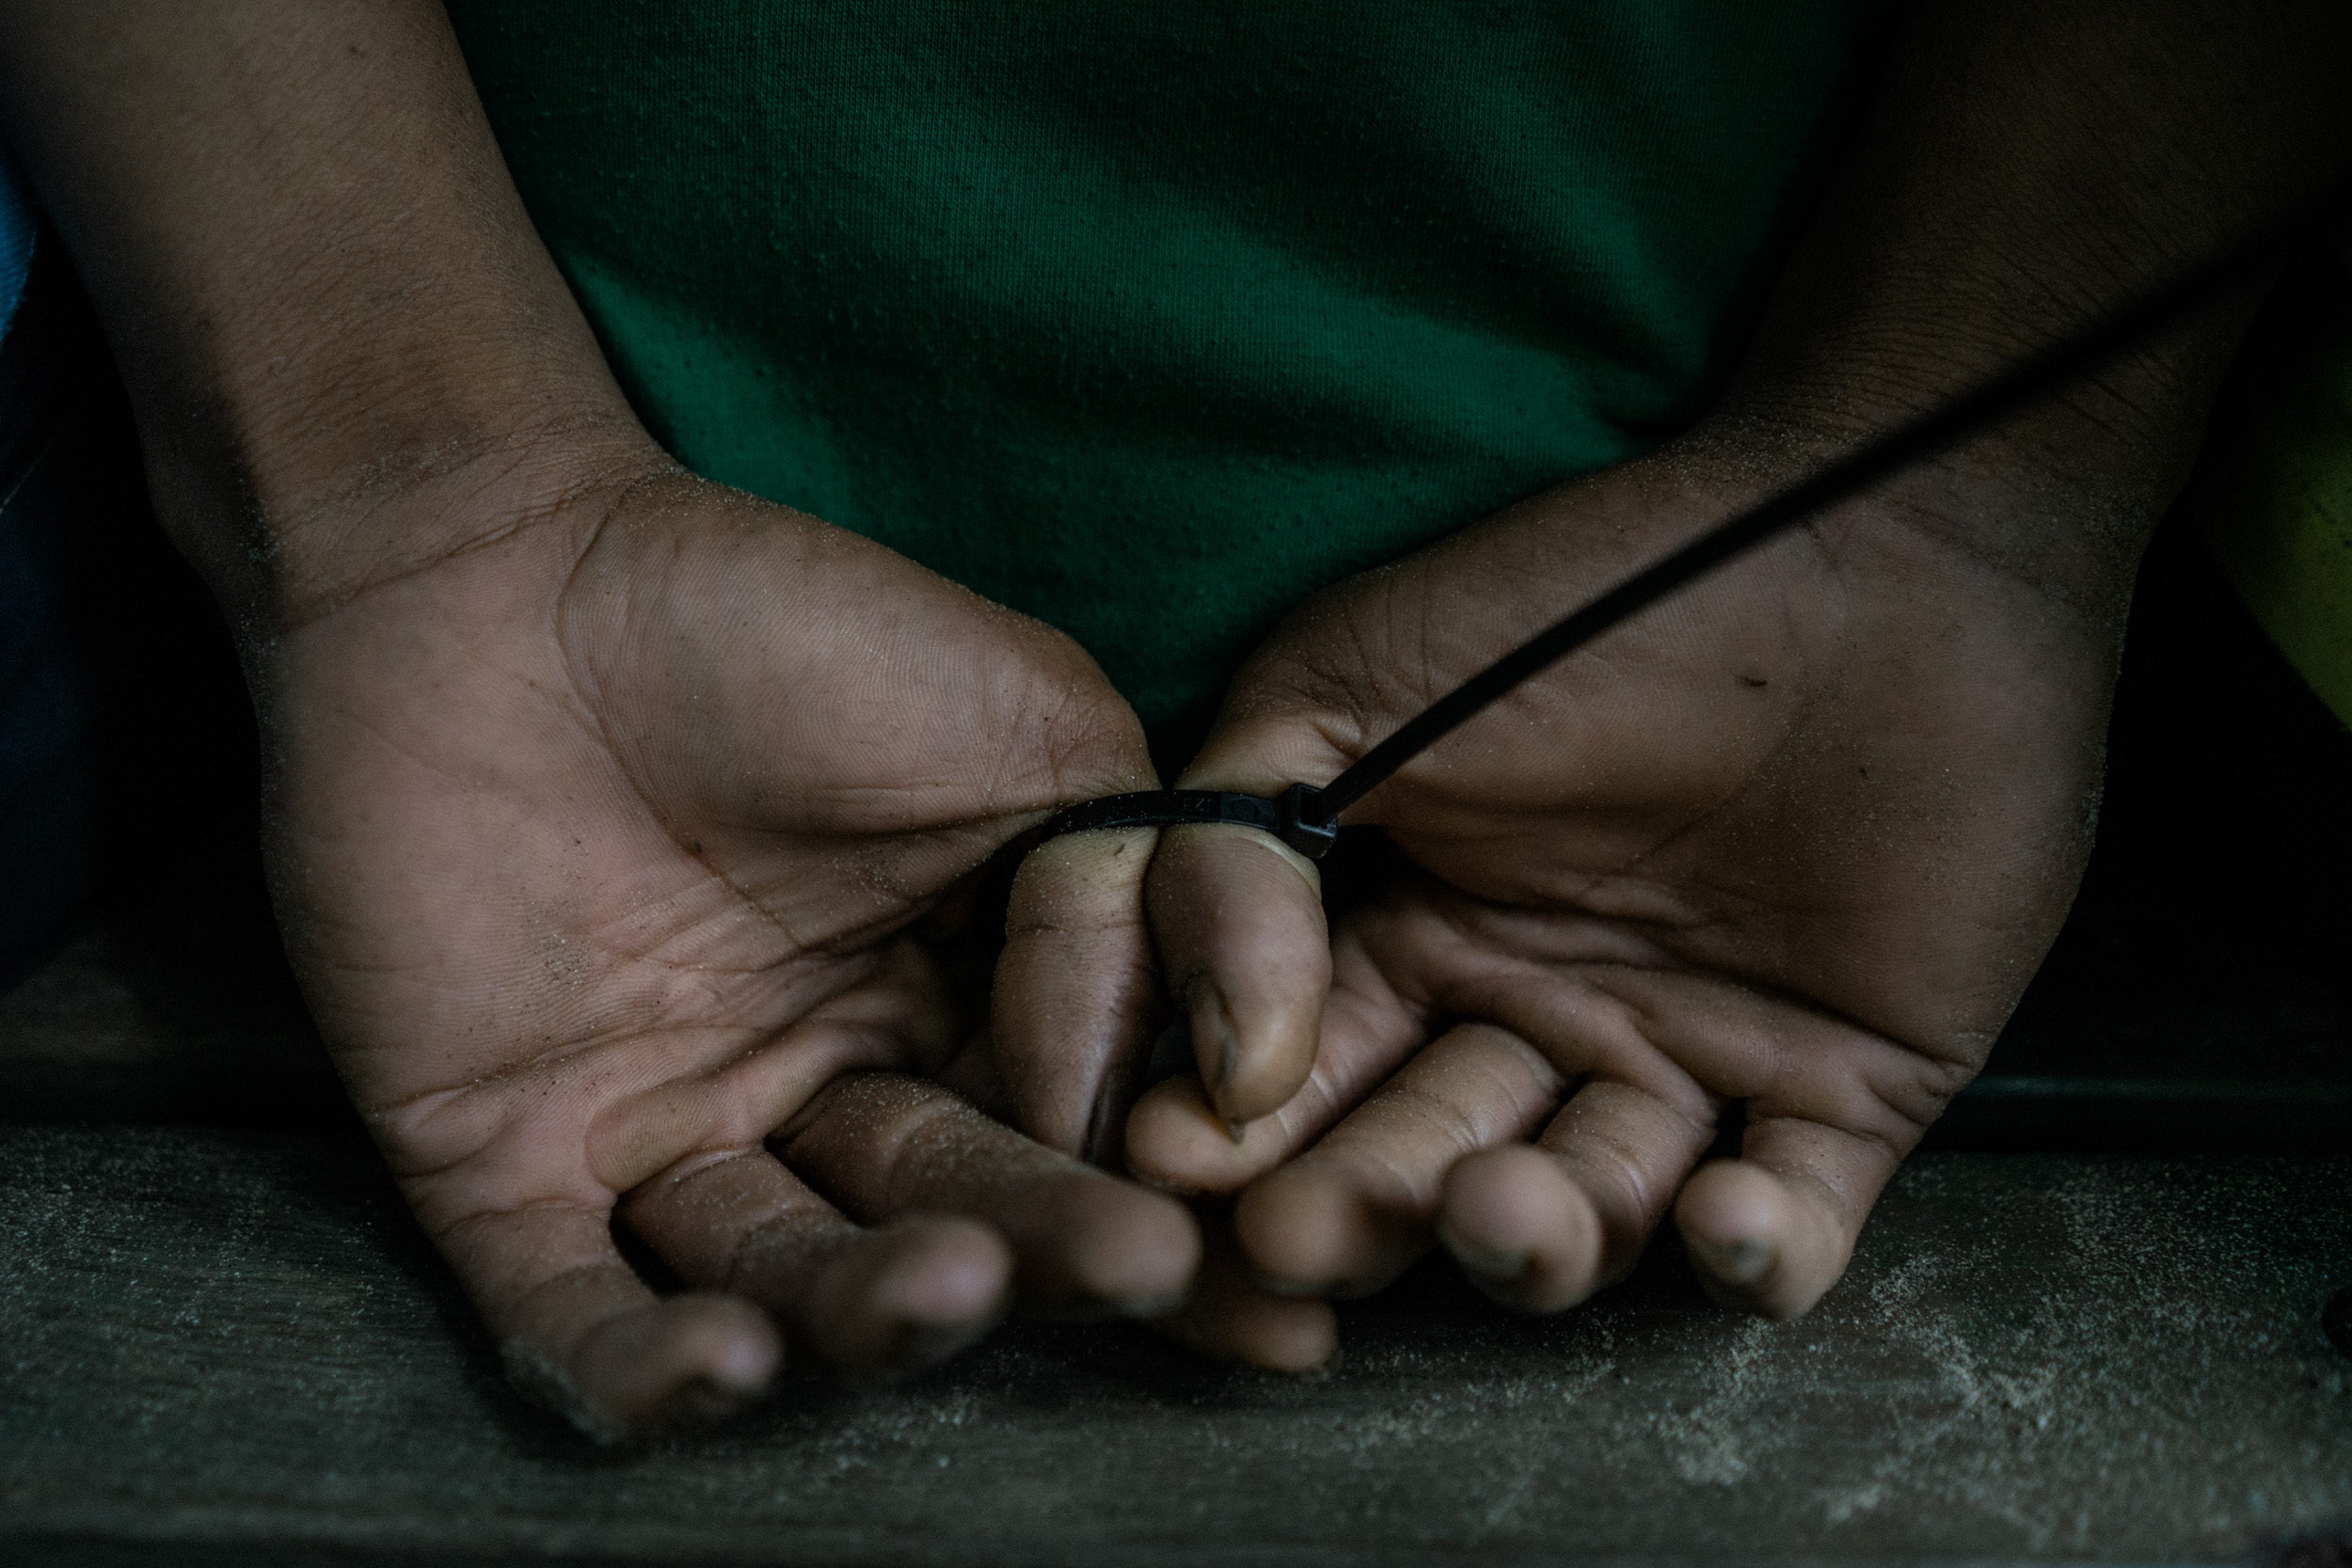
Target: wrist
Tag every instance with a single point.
(321, 288)
(310, 514)
(2066, 518)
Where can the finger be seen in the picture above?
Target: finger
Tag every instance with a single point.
(1238, 919)
(882, 1145)
(1831, 1109)
(897, 1013)
(1076, 989)
(883, 1301)
(1540, 1229)
(1772, 1230)
(1347, 1216)
(1230, 1317)
(581, 1331)
(1830, 1114)
(1176, 1139)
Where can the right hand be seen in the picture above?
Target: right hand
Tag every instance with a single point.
(615, 847)
(1774, 859)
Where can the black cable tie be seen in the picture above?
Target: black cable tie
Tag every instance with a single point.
(1306, 816)
(1974, 410)
(1290, 816)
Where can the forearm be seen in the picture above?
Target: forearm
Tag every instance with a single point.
(318, 281)
(2026, 166)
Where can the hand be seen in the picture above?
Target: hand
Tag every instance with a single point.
(1774, 861)
(1769, 864)
(614, 815)
(630, 837)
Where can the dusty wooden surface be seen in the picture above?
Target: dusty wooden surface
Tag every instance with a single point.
(222, 1343)
(235, 1341)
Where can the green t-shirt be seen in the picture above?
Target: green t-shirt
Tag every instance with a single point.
(1150, 320)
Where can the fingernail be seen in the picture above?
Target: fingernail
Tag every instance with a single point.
(921, 1346)
(1321, 1369)
(1171, 1054)
(1735, 1263)
(1106, 1126)
(549, 1384)
(1491, 1262)
(1212, 1021)
(1495, 1263)
(700, 1402)
(1148, 1307)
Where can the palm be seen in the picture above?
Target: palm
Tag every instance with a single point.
(746, 825)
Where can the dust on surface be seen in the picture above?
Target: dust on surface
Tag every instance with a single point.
(239, 1338)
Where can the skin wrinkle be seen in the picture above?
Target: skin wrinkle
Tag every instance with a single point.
(862, 1045)
(1062, 758)
(1474, 930)
(867, 852)
(792, 939)
(1744, 907)
(756, 1248)
(809, 1229)
(746, 900)
(1932, 527)
(1792, 1092)
(650, 1005)
(691, 1166)
(1940, 1081)
(581, 675)
(1889, 1153)
(1456, 1127)
(1311, 1107)
(1621, 1245)
(294, 615)
(1437, 1115)
(1701, 1128)
(1700, 817)
(1671, 836)
(1607, 1046)
(1340, 695)
(448, 1232)
(1045, 924)
(553, 1062)
(1646, 1029)
(913, 1138)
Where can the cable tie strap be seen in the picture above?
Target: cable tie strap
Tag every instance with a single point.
(1290, 816)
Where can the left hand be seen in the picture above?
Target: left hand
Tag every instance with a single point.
(627, 858)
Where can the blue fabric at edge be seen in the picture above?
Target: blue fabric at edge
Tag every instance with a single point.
(17, 225)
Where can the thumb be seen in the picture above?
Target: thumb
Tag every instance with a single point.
(1076, 992)
(1237, 916)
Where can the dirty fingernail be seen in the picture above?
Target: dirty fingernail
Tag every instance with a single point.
(700, 1402)
(1213, 1026)
(1146, 1308)
(1735, 1263)
(1323, 1368)
(1493, 1262)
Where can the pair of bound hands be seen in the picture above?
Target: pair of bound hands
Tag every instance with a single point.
(629, 833)
(632, 857)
